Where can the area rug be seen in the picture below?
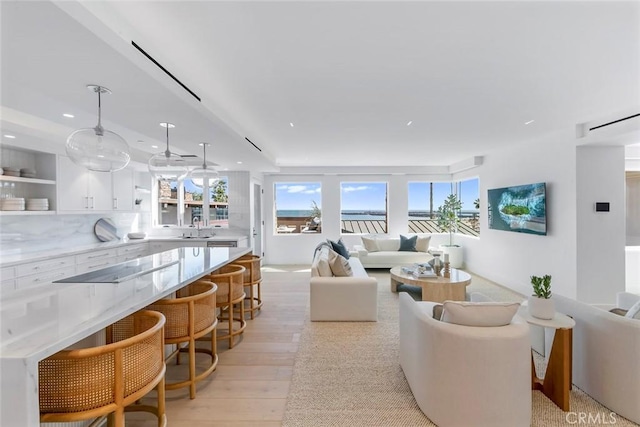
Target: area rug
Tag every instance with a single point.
(348, 374)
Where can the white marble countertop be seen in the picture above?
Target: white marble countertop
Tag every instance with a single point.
(18, 256)
(15, 257)
(39, 321)
(198, 239)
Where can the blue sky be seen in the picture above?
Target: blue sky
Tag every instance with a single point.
(363, 196)
(297, 195)
(370, 195)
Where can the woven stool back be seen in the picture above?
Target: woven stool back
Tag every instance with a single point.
(191, 315)
(86, 383)
(202, 296)
(229, 279)
(252, 274)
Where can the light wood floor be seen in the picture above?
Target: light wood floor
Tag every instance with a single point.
(251, 382)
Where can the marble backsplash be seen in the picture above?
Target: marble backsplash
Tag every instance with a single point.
(33, 233)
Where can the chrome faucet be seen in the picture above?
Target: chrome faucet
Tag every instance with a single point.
(195, 222)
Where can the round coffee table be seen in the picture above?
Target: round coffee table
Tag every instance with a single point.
(437, 289)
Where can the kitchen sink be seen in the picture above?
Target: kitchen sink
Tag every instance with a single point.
(196, 237)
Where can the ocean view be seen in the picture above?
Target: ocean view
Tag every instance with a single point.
(352, 215)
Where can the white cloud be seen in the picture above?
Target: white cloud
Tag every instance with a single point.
(296, 188)
(358, 188)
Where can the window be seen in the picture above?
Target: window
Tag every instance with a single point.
(167, 202)
(182, 203)
(298, 207)
(469, 193)
(219, 203)
(363, 208)
(424, 199)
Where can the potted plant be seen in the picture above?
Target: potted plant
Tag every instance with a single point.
(540, 303)
(448, 221)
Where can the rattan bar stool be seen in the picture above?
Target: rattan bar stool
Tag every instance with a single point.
(230, 294)
(107, 380)
(252, 280)
(191, 315)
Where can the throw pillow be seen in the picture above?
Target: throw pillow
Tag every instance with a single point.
(339, 265)
(634, 311)
(479, 313)
(322, 262)
(408, 244)
(422, 244)
(618, 311)
(370, 244)
(437, 312)
(339, 247)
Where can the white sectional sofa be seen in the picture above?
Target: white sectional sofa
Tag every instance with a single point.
(606, 353)
(388, 255)
(351, 298)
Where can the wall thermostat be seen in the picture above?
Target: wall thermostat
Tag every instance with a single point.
(602, 206)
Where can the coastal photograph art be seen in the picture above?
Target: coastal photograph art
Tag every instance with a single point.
(520, 208)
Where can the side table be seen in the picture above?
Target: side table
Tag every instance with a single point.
(556, 383)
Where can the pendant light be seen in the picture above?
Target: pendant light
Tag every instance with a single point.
(199, 175)
(98, 149)
(167, 166)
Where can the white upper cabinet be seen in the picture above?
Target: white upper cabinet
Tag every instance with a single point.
(123, 186)
(80, 189)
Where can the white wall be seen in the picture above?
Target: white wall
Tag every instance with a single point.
(601, 235)
(510, 258)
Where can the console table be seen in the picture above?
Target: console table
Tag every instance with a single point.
(39, 321)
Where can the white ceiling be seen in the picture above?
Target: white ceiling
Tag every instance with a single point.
(348, 75)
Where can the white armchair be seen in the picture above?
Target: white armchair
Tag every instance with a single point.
(466, 375)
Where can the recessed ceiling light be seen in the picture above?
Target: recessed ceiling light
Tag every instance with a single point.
(6, 135)
(239, 163)
(291, 124)
(529, 122)
(70, 116)
(154, 146)
(225, 169)
(409, 123)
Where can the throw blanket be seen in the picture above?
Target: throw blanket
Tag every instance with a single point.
(319, 247)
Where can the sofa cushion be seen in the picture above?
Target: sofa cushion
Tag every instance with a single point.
(479, 313)
(357, 268)
(408, 244)
(634, 311)
(392, 244)
(339, 265)
(370, 244)
(339, 247)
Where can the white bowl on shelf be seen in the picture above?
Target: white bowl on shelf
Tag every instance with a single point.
(137, 235)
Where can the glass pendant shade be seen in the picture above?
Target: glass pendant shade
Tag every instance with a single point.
(200, 175)
(167, 166)
(98, 149)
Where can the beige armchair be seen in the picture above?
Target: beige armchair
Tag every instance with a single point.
(466, 375)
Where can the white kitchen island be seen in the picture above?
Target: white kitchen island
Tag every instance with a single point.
(39, 321)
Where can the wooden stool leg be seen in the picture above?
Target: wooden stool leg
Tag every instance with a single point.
(161, 402)
(192, 369)
(230, 314)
